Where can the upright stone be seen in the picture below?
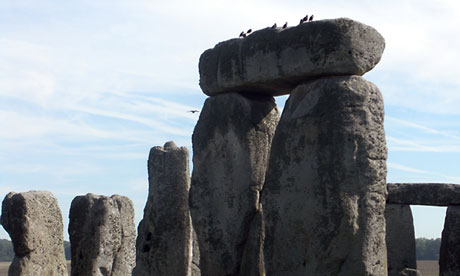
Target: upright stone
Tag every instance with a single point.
(324, 195)
(34, 221)
(231, 144)
(102, 235)
(449, 255)
(164, 244)
(400, 239)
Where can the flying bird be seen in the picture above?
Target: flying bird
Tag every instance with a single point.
(311, 18)
(249, 31)
(193, 111)
(285, 25)
(274, 26)
(242, 34)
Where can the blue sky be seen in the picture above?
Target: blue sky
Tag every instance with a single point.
(88, 87)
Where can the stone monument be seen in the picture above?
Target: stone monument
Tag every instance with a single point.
(102, 235)
(34, 221)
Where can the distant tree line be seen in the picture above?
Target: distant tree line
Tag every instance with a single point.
(7, 253)
(426, 249)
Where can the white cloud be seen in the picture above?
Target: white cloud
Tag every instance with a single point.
(421, 127)
(397, 166)
(406, 135)
(418, 174)
(417, 145)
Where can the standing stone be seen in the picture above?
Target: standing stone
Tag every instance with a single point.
(164, 244)
(324, 195)
(34, 221)
(231, 144)
(102, 235)
(449, 255)
(400, 238)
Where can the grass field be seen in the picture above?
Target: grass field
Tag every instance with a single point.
(4, 268)
(427, 268)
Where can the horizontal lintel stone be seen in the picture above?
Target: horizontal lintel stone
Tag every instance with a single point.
(275, 60)
(434, 194)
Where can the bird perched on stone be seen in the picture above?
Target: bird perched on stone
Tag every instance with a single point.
(285, 25)
(249, 31)
(311, 18)
(305, 19)
(274, 26)
(242, 34)
(193, 111)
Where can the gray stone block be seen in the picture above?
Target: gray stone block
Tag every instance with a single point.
(400, 238)
(102, 235)
(324, 195)
(433, 194)
(34, 222)
(274, 61)
(449, 254)
(164, 244)
(231, 143)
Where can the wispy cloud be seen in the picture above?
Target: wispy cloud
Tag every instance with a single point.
(405, 135)
(396, 144)
(423, 128)
(439, 176)
(400, 167)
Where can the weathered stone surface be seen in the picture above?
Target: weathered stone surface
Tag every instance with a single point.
(102, 235)
(324, 194)
(253, 256)
(195, 256)
(164, 244)
(231, 143)
(274, 61)
(449, 255)
(34, 222)
(400, 238)
(434, 194)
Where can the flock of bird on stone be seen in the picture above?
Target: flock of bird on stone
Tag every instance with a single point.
(303, 20)
(244, 34)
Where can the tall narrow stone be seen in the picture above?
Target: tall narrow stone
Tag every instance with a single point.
(400, 238)
(102, 235)
(324, 195)
(231, 144)
(164, 244)
(34, 221)
(449, 255)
